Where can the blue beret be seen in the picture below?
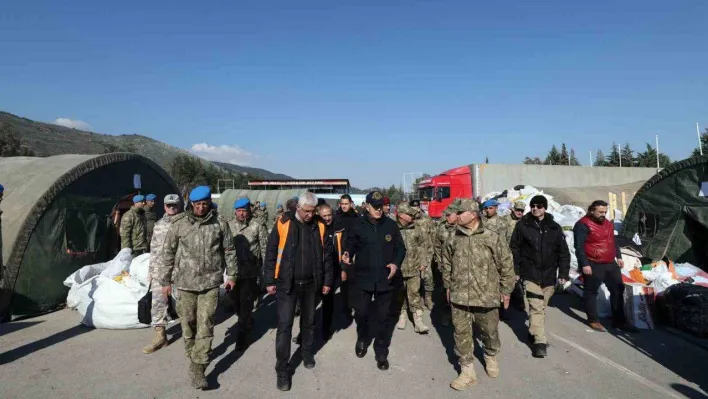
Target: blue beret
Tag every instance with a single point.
(2, 188)
(242, 203)
(491, 202)
(150, 197)
(200, 193)
(138, 198)
(279, 206)
(295, 198)
(263, 204)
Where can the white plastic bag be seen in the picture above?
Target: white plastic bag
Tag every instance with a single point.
(106, 303)
(120, 263)
(140, 269)
(664, 281)
(604, 308)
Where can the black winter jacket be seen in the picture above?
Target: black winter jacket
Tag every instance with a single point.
(540, 250)
(375, 245)
(323, 270)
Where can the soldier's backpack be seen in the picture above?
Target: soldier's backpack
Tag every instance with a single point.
(686, 307)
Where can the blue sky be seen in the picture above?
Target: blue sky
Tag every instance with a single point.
(369, 89)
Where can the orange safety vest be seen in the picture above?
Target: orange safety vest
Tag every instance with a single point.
(338, 235)
(283, 233)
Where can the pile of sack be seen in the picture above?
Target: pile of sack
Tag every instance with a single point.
(106, 294)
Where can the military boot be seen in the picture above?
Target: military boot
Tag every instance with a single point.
(491, 366)
(418, 325)
(466, 379)
(429, 300)
(402, 319)
(199, 380)
(159, 342)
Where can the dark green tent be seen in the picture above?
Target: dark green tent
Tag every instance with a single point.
(58, 216)
(670, 213)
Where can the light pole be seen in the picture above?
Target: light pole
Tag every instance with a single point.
(698, 133)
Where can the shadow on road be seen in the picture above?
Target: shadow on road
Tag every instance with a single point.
(264, 319)
(688, 392)
(22, 351)
(8, 328)
(682, 357)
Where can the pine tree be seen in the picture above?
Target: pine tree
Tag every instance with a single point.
(600, 159)
(532, 161)
(647, 159)
(614, 158)
(628, 160)
(553, 157)
(564, 158)
(573, 159)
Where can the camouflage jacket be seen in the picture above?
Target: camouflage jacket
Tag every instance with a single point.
(196, 252)
(157, 244)
(419, 252)
(497, 224)
(250, 240)
(510, 226)
(477, 267)
(150, 219)
(133, 230)
(443, 233)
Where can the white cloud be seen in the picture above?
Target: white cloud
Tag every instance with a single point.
(224, 153)
(72, 123)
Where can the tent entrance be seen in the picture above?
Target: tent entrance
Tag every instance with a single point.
(696, 230)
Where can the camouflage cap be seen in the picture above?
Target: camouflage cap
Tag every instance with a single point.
(520, 205)
(468, 204)
(406, 209)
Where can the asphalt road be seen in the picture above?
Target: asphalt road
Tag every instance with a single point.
(54, 356)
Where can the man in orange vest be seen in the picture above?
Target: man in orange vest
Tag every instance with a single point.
(297, 268)
(335, 234)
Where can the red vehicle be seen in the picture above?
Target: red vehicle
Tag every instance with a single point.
(439, 191)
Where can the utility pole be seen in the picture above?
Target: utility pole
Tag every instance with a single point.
(590, 154)
(698, 133)
(658, 167)
(619, 154)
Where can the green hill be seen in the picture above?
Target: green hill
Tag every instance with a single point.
(45, 139)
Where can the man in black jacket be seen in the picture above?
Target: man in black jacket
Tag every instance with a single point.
(345, 218)
(540, 254)
(335, 234)
(297, 268)
(377, 244)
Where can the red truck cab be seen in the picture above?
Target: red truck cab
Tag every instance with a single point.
(439, 191)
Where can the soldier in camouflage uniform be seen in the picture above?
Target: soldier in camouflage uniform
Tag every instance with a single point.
(160, 302)
(418, 259)
(427, 223)
(493, 221)
(150, 216)
(517, 212)
(478, 274)
(133, 228)
(443, 233)
(197, 249)
(250, 239)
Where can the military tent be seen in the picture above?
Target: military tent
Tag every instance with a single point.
(59, 214)
(270, 197)
(669, 213)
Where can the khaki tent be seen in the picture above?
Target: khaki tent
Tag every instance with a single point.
(670, 213)
(58, 215)
(270, 197)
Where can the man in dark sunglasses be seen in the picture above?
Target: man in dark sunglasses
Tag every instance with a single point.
(541, 258)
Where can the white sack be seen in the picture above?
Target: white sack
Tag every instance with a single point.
(120, 263)
(140, 269)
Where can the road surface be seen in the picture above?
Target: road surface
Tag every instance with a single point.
(54, 356)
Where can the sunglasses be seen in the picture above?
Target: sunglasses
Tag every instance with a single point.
(537, 206)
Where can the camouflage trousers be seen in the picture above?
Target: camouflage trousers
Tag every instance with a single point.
(536, 302)
(197, 310)
(428, 281)
(411, 295)
(486, 320)
(160, 305)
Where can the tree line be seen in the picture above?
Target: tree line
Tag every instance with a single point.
(188, 171)
(625, 156)
(10, 144)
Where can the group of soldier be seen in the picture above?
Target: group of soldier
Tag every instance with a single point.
(385, 266)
